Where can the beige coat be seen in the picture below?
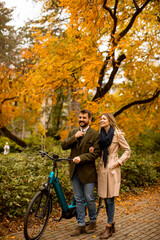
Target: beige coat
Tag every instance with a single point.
(109, 178)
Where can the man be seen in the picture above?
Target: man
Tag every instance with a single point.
(83, 170)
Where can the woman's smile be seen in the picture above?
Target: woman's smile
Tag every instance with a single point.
(104, 122)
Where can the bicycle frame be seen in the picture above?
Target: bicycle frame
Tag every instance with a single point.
(58, 189)
(68, 211)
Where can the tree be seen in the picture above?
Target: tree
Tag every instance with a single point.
(8, 37)
(9, 94)
(8, 58)
(15, 93)
(108, 52)
(118, 22)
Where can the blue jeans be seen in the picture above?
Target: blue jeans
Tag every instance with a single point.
(110, 209)
(82, 191)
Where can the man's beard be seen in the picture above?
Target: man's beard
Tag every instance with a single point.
(84, 124)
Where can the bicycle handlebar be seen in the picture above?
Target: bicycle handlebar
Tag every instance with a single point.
(55, 157)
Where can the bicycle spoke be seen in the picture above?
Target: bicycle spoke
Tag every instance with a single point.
(37, 216)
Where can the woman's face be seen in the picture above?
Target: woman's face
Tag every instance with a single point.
(104, 121)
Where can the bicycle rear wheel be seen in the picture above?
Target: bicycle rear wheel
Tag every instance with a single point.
(37, 216)
(99, 206)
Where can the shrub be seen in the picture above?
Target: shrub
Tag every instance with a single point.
(22, 175)
(140, 170)
(149, 141)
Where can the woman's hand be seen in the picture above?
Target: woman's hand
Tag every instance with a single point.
(114, 166)
(91, 149)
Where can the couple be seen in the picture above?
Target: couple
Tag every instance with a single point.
(86, 146)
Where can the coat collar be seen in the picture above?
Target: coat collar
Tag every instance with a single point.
(84, 130)
(86, 137)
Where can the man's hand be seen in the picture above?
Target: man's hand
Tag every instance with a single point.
(76, 160)
(79, 134)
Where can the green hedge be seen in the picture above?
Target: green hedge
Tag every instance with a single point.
(22, 175)
(33, 143)
(140, 170)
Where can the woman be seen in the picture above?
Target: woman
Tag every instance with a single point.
(109, 174)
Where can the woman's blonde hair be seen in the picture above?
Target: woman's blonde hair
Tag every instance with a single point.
(111, 119)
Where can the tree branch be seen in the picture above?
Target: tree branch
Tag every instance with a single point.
(13, 137)
(113, 15)
(115, 18)
(113, 73)
(135, 4)
(102, 72)
(115, 7)
(108, 9)
(155, 95)
(102, 91)
(137, 12)
(115, 64)
(7, 99)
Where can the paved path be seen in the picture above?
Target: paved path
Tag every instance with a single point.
(137, 217)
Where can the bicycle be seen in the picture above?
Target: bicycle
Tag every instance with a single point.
(40, 207)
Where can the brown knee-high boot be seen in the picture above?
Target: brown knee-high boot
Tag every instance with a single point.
(113, 228)
(107, 233)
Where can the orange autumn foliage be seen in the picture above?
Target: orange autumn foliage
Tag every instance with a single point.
(107, 57)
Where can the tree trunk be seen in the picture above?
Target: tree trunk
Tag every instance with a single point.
(11, 136)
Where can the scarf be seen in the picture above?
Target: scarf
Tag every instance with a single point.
(105, 140)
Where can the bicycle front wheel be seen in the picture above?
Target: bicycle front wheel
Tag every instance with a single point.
(37, 216)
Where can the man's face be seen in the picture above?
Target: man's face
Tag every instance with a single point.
(84, 120)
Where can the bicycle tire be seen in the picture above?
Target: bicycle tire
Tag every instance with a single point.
(99, 206)
(37, 215)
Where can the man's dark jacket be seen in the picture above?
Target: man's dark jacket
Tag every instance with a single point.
(86, 168)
